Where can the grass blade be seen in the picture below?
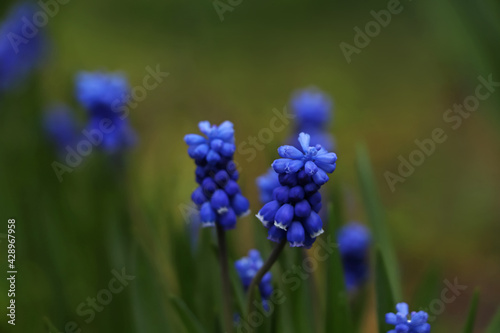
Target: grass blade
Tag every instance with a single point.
(471, 317)
(428, 289)
(337, 316)
(145, 296)
(494, 326)
(49, 326)
(191, 323)
(376, 217)
(383, 291)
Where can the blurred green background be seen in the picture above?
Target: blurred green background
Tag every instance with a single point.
(446, 214)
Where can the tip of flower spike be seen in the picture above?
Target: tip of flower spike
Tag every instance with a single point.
(280, 225)
(416, 323)
(304, 140)
(316, 234)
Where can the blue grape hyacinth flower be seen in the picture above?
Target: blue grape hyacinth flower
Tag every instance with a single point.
(405, 323)
(313, 112)
(247, 267)
(218, 196)
(312, 108)
(21, 49)
(293, 212)
(354, 240)
(102, 93)
(104, 96)
(60, 126)
(266, 185)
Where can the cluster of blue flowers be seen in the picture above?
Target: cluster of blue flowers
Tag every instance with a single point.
(103, 95)
(247, 267)
(313, 112)
(218, 196)
(416, 323)
(19, 55)
(354, 240)
(293, 212)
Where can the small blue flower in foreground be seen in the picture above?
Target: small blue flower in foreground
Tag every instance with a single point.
(247, 267)
(293, 212)
(266, 184)
(218, 197)
(104, 96)
(354, 240)
(416, 323)
(19, 54)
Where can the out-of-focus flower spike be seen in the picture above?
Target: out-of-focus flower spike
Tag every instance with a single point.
(247, 268)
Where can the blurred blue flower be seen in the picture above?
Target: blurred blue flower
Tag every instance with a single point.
(354, 240)
(416, 323)
(312, 108)
(293, 212)
(266, 184)
(247, 267)
(22, 45)
(313, 111)
(60, 126)
(104, 95)
(218, 196)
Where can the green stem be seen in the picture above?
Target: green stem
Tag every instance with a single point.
(226, 283)
(260, 274)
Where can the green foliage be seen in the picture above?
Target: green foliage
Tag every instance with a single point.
(191, 323)
(428, 288)
(337, 314)
(377, 220)
(148, 306)
(495, 323)
(471, 317)
(383, 291)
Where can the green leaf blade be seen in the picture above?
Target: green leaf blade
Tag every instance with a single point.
(191, 323)
(377, 220)
(471, 317)
(385, 299)
(338, 315)
(494, 324)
